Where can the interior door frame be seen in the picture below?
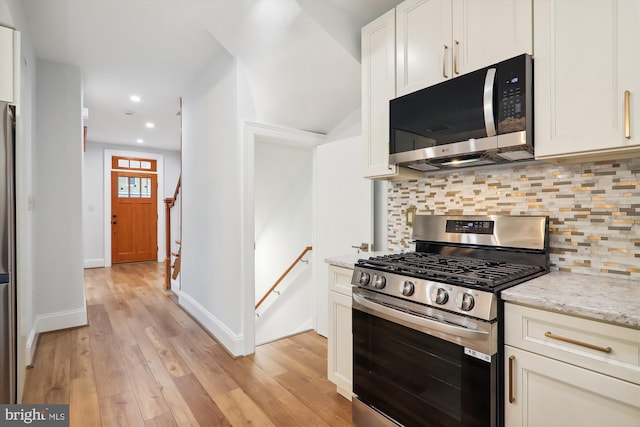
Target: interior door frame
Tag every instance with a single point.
(250, 132)
(159, 158)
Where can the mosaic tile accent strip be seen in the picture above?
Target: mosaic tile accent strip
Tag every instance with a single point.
(593, 209)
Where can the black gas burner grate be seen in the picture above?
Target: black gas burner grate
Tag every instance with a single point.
(452, 269)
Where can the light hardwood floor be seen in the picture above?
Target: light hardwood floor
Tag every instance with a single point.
(142, 361)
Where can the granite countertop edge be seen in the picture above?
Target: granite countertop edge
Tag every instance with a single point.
(611, 300)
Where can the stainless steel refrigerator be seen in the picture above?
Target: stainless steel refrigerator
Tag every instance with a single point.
(8, 335)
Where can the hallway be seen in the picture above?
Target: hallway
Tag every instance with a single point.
(142, 361)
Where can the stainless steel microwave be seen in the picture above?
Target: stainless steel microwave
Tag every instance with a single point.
(480, 118)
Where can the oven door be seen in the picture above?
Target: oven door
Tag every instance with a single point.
(418, 378)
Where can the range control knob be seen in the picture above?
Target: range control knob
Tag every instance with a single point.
(467, 302)
(364, 278)
(407, 288)
(442, 296)
(380, 282)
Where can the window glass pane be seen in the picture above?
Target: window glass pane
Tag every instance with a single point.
(146, 188)
(123, 186)
(134, 186)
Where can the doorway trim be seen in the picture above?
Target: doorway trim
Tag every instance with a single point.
(252, 131)
(108, 155)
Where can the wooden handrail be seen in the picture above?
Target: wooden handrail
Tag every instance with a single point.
(169, 202)
(275, 285)
(175, 193)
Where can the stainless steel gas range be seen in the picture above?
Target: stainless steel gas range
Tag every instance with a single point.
(427, 330)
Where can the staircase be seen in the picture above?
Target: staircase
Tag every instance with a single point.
(172, 257)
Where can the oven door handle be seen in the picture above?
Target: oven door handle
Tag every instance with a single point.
(421, 322)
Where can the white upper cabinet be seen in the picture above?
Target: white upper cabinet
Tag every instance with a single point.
(442, 39)
(587, 79)
(424, 55)
(489, 31)
(6, 64)
(378, 88)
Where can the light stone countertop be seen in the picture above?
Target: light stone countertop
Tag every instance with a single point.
(600, 298)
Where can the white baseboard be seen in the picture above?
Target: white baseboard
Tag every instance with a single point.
(62, 320)
(94, 263)
(232, 342)
(53, 322)
(30, 346)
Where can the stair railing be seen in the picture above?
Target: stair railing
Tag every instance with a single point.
(170, 203)
(281, 278)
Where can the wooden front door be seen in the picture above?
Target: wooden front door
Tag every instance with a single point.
(134, 217)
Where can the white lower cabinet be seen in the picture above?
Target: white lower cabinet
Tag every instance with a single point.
(340, 344)
(562, 370)
(546, 393)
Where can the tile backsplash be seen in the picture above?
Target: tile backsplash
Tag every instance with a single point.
(593, 208)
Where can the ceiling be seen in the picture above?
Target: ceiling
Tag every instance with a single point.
(301, 58)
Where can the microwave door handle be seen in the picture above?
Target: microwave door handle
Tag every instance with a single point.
(489, 82)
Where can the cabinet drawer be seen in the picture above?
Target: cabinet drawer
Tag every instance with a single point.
(602, 347)
(340, 279)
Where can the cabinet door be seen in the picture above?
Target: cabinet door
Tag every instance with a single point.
(546, 393)
(490, 31)
(340, 343)
(586, 57)
(6, 64)
(423, 44)
(378, 88)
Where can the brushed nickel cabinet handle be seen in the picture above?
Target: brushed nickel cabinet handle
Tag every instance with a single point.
(627, 107)
(455, 56)
(580, 343)
(444, 62)
(512, 360)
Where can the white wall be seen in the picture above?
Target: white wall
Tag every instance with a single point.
(59, 275)
(212, 205)
(93, 215)
(283, 228)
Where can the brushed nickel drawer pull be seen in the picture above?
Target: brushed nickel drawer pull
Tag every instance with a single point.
(512, 398)
(627, 107)
(580, 343)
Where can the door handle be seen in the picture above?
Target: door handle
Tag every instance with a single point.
(364, 247)
(444, 62)
(455, 56)
(627, 108)
(512, 360)
(487, 102)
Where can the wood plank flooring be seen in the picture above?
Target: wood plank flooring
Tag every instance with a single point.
(142, 361)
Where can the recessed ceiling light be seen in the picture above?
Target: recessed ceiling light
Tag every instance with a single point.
(139, 140)
(150, 125)
(135, 98)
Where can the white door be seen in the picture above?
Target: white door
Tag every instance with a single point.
(343, 212)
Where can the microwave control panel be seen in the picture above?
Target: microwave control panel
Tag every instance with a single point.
(513, 83)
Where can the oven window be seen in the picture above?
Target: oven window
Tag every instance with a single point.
(417, 379)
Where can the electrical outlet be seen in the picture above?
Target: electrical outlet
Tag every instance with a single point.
(410, 215)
